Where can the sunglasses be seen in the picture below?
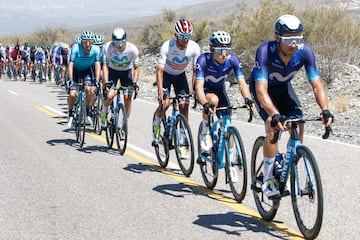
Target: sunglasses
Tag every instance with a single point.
(292, 40)
(119, 42)
(184, 37)
(226, 51)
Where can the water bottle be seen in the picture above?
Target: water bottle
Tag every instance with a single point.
(278, 164)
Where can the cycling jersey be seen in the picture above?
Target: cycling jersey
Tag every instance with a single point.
(269, 66)
(84, 61)
(176, 60)
(121, 61)
(214, 74)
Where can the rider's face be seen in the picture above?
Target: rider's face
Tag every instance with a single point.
(86, 44)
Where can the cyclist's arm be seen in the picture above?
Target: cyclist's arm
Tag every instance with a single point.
(136, 74)
(244, 88)
(159, 80)
(97, 70)
(71, 70)
(105, 70)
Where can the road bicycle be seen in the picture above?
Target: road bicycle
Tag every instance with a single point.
(79, 113)
(175, 133)
(117, 126)
(57, 75)
(298, 165)
(226, 141)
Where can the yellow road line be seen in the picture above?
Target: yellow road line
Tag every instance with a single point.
(293, 234)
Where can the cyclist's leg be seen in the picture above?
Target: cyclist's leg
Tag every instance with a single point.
(126, 81)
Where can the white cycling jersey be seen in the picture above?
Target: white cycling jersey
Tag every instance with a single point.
(176, 60)
(121, 61)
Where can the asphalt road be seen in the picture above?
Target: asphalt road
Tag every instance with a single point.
(51, 189)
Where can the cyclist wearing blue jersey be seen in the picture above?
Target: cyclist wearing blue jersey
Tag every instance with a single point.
(276, 64)
(212, 69)
(84, 56)
(175, 55)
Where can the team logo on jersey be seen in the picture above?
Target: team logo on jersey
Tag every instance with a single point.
(213, 79)
(277, 76)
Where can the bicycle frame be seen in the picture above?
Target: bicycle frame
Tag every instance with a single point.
(170, 122)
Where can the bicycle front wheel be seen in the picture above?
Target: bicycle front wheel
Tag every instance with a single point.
(306, 193)
(208, 169)
(161, 145)
(80, 123)
(235, 164)
(267, 208)
(184, 145)
(121, 129)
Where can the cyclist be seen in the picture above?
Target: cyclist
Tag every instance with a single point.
(99, 41)
(120, 58)
(212, 69)
(2, 59)
(276, 63)
(25, 56)
(64, 60)
(40, 59)
(175, 55)
(82, 58)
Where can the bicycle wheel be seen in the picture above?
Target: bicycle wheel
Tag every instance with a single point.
(97, 112)
(306, 193)
(80, 123)
(110, 129)
(235, 165)
(162, 146)
(267, 208)
(121, 129)
(184, 145)
(208, 169)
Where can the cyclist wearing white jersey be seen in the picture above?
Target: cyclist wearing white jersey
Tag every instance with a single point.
(175, 55)
(120, 59)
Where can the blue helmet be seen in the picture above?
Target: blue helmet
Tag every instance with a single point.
(87, 35)
(288, 24)
(99, 39)
(220, 39)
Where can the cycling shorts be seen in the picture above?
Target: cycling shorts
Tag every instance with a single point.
(180, 84)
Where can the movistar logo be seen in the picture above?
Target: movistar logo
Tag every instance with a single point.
(124, 58)
(176, 59)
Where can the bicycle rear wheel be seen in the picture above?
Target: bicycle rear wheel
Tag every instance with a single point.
(306, 193)
(80, 123)
(121, 129)
(208, 169)
(184, 145)
(161, 146)
(235, 165)
(267, 208)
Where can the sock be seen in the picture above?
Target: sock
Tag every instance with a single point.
(268, 168)
(205, 128)
(157, 121)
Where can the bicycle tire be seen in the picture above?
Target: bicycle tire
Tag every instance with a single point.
(236, 165)
(121, 129)
(110, 131)
(183, 138)
(80, 123)
(97, 112)
(162, 146)
(209, 170)
(310, 201)
(267, 208)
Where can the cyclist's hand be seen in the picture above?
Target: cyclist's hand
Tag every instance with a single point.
(208, 108)
(136, 87)
(277, 121)
(327, 117)
(160, 98)
(69, 82)
(249, 103)
(97, 83)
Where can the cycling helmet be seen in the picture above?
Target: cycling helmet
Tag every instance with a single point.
(99, 39)
(65, 46)
(183, 27)
(118, 34)
(220, 39)
(87, 35)
(288, 24)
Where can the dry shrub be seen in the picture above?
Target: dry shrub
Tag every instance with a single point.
(340, 104)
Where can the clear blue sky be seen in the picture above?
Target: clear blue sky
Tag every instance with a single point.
(20, 17)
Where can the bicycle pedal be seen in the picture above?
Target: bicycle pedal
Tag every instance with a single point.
(285, 193)
(154, 143)
(200, 161)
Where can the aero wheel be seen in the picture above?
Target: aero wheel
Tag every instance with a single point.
(208, 168)
(121, 129)
(266, 207)
(184, 145)
(235, 164)
(161, 145)
(306, 193)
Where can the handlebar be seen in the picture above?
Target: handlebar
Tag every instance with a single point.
(326, 135)
(251, 112)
